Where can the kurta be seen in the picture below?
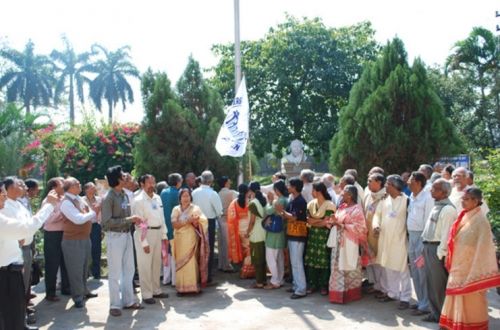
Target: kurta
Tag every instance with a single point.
(390, 217)
(191, 250)
(370, 205)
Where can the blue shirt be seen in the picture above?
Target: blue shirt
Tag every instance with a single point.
(170, 199)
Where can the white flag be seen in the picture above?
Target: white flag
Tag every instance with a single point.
(233, 135)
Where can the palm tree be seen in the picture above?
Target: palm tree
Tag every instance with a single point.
(478, 58)
(29, 80)
(71, 68)
(111, 83)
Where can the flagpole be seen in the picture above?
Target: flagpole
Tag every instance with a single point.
(237, 69)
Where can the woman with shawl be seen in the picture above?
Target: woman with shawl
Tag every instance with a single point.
(472, 266)
(347, 235)
(191, 245)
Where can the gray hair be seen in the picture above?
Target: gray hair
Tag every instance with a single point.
(444, 186)
(328, 179)
(352, 172)
(207, 177)
(426, 169)
(396, 181)
(307, 175)
(160, 186)
(434, 177)
(69, 182)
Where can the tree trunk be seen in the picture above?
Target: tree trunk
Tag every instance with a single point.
(110, 113)
(71, 102)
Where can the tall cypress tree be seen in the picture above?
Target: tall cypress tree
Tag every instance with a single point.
(394, 118)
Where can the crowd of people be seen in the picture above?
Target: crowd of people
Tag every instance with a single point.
(338, 239)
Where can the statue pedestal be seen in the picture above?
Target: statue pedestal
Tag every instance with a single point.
(292, 169)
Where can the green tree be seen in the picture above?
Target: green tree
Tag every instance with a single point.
(110, 83)
(394, 118)
(476, 59)
(176, 138)
(299, 76)
(169, 138)
(70, 67)
(196, 95)
(29, 79)
(15, 132)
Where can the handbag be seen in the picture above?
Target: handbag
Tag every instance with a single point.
(275, 225)
(296, 229)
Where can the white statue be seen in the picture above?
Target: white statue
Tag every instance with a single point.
(296, 155)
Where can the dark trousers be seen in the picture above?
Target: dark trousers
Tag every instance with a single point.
(54, 259)
(436, 277)
(95, 238)
(28, 260)
(211, 241)
(12, 300)
(258, 255)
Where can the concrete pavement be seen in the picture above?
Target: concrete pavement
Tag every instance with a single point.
(231, 305)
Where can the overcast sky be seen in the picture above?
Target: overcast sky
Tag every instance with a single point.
(162, 34)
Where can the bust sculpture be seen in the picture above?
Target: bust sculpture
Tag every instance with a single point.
(296, 160)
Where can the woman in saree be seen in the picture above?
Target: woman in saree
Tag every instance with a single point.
(237, 227)
(191, 245)
(256, 234)
(317, 259)
(472, 266)
(348, 233)
(275, 241)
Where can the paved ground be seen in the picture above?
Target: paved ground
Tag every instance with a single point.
(230, 305)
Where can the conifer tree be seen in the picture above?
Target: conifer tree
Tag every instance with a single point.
(394, 118)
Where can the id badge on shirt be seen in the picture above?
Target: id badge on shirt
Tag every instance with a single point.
(124, 205)
(154, 205)
(392, 214)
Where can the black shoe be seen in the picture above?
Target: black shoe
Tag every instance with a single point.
(90, 295)
(30, 319)
(28, 327)
(296, 296)
(149, 301)
(162, 295)
(79, 304)
(430, 318)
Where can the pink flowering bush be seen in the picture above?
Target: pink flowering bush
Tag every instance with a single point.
(84, 151)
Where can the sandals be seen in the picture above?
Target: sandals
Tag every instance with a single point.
(256, 286)
(385, 299)
(271, 286)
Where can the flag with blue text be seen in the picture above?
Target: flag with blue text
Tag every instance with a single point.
(233, 135)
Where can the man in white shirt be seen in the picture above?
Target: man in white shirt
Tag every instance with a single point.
(148, 205)
(427, 171)
(307, 177)
(75, 244)
(15, 209)
(211, 206)
(460, 178)
(421, 204)
(329, 180)
(435, 239)
(389, 222)
(12, 293)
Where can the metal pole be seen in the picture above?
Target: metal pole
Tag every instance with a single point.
(237, 70)
(237, 50)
